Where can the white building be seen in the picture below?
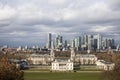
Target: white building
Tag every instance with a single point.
(86, 58)
(62, 65)
(105, 65)
(41, 58)
(83, 58)
(99, 42)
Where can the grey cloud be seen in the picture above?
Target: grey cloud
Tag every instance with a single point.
(29, 19)
(114, 4)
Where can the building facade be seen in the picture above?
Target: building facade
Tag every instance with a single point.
(38, 59)
(62, 65)
(86, 59)
(105, 65)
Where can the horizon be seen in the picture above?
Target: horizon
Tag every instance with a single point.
(65, 37)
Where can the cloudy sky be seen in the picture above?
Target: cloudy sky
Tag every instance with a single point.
(29, 21)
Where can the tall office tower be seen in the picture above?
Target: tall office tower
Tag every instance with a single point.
(110, 43)
(60, 40)
(92, 40)
(65, 44)
(76, 42)
(99, 42)
(85, 39)
(94, 44)
(79, 41)
(113, 44)
(73, 43)
(52, 45)
(89, 42)
(65, 47)
(56, 42)
(105, 43)
(49, 40)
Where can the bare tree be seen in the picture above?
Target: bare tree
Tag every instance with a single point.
(9, 71)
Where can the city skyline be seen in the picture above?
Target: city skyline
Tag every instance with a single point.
(28, 22)
(58, 41)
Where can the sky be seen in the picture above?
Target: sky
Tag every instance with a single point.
(28, 22)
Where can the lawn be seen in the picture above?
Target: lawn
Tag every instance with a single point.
(61, 76)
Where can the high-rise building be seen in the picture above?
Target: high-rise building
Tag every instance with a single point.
(85, 39)
(110, 43)
(89, 42)
(65, 43)
(73, 43)
(94, 44)
(77, 42)
(99, 42)
(49, 41)
(105, 43)
(58, 41)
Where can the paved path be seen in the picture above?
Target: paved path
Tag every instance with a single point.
(76, 71)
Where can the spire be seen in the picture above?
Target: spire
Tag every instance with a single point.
(72, 54)
(52, 54)
(110, 51)
(117, 49)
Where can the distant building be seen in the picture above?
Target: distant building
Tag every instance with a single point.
(72, 56)
(38, 59)
(83, 58)
(109, 42)
(105, 65)
(62, 65)
(59, 42)
(19, 48)
(49, 41)
(73, 43)
(99, 42)
(85, 39)
(86, 59)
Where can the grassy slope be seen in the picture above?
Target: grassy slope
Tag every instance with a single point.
(61, 76)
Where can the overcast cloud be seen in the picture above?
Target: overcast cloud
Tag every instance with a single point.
(29, 21)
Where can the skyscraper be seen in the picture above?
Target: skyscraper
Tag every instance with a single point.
(89, 42)
(49, 41)
(85, 39)
(73, 43)
(58, 41)
(99, 42)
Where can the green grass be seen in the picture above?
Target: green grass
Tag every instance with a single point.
(61, 76)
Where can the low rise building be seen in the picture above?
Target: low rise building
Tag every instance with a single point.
(62, 65)
(83, 59)
(105, 65)
(45, 59)
(86, 59)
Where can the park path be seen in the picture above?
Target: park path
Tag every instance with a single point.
(71, 72)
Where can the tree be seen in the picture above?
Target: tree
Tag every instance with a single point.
(115, 73)
(9, 71)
